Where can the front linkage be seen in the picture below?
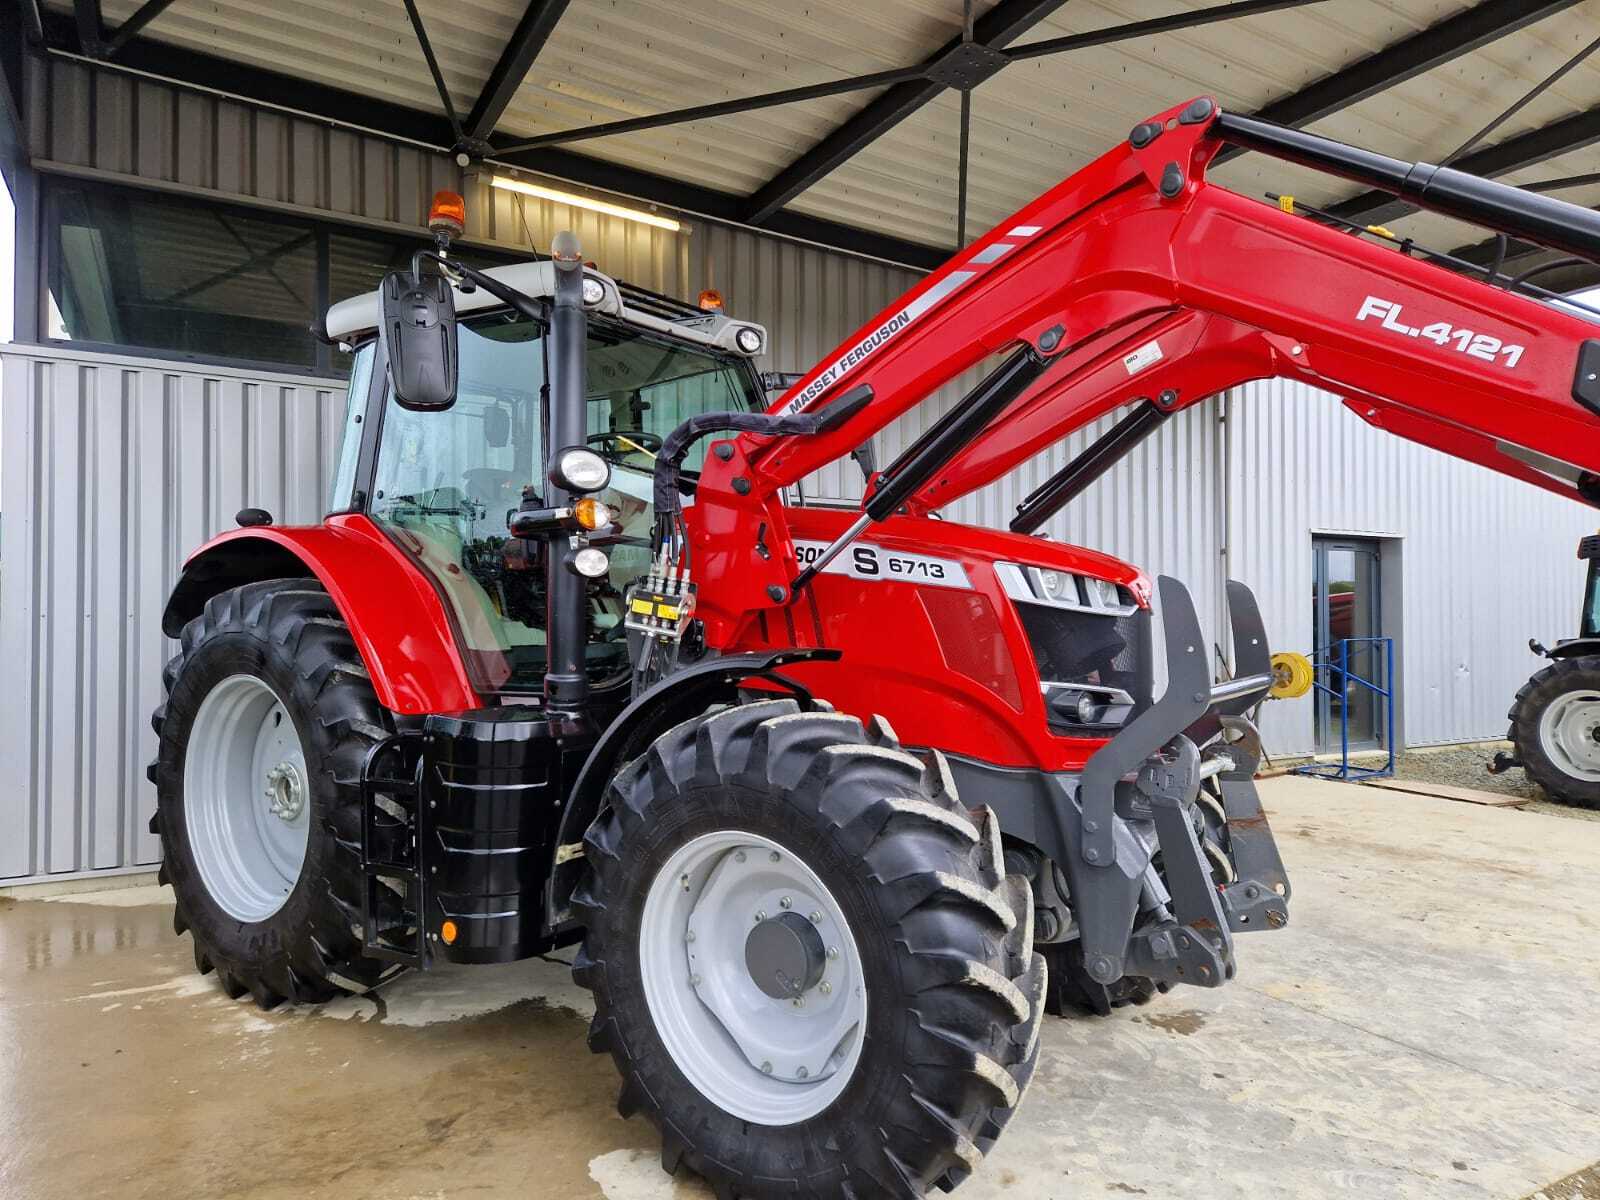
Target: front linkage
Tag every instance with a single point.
(1175, 787)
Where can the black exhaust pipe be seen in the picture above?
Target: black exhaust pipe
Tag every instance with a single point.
(566, 679)
(1544, 220)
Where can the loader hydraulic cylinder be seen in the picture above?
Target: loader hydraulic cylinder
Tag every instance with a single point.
(1511, 210)
(943, 441)
(1074, 479)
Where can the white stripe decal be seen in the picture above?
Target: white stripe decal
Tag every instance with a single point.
(1024, 231)
(990, 253)
(877, 339)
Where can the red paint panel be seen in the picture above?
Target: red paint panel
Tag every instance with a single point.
(396, 618)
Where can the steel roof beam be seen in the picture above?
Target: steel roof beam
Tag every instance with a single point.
(538, 22)
(1191, 19)
(426, 46)
(956, 63)
(720, 108)
(1432, 47)
(32, 22)
(91, 26)
(208, 72)
(877, 79)
(137, 20)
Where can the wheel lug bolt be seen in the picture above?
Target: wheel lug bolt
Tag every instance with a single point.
(833, 952)
(825, 988)
(773, 856)
(799, 1001)
(816, 918)
(761, 916)
(766, 1068)
(739, 856)
(801, 1073)
(786, 903)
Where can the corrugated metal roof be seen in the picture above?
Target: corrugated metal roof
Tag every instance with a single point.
(1033, 124)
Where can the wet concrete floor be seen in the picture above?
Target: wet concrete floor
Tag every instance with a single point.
(1425, 1027)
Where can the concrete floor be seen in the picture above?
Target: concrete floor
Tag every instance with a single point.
(1425, 1027)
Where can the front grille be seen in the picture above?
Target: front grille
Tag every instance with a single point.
(1097, 649)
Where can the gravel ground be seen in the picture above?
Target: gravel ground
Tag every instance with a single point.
(1463, 766)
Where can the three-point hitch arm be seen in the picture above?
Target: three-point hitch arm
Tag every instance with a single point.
(1136, 278)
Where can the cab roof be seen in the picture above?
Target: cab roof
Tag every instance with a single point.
(350, 320)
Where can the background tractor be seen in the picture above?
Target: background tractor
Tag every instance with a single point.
(1555, 719)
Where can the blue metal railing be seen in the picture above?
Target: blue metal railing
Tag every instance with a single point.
(1335, 679)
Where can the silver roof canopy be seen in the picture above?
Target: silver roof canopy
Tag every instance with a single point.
(349, 319)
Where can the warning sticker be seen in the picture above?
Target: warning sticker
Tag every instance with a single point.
(1143, 357)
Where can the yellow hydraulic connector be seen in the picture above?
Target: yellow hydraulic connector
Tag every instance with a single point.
(1286, 203)
(1291, 676)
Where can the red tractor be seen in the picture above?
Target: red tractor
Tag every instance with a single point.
(837, 804)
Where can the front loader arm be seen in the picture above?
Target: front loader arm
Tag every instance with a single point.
(1113, 262)
(1136, 277)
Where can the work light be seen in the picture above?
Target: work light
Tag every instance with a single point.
(590, 562)
(748, 340)
(593, 290)
(578, 469)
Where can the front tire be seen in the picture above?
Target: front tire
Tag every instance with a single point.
(268, 716)
(907, 893)
(1555, 727)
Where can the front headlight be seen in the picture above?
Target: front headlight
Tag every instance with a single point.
(1104, 590)
(1059, 587)
(578, 469)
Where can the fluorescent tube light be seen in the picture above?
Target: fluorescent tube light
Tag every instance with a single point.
(600, 206)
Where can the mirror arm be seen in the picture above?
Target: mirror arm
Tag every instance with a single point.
(525, 305)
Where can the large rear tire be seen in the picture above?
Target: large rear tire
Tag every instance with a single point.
(1555, 727)
(269, 714)
(923, 981)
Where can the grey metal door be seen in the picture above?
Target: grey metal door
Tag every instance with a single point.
(1345, 609)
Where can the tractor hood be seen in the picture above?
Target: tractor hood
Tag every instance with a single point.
(350, 320)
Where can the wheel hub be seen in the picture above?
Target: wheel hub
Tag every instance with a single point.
(246, 798)
(785, 956)
(752, 977)
(285, 792)
(1569, 734)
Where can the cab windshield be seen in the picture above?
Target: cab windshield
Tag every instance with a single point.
(446, 481)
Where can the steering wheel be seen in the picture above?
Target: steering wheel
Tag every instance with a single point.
(621, 442)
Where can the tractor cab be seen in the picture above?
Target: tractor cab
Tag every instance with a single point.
(444, 482)
(1589, 619)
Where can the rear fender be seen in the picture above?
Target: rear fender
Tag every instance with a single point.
(395, 616)
(677, 698)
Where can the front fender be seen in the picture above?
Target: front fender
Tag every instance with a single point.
(678, 697)
(1578, 647)
(395, 616)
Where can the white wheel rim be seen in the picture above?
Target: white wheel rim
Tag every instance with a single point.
(1569, 734)
(766, 1060)
(246, 798)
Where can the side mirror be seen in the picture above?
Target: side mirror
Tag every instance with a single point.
(497, 426)
(419, 334)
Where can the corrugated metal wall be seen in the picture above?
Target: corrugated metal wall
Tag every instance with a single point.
(1485, 562)
(113, 468)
